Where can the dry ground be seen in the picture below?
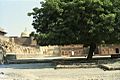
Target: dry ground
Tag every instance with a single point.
(41, 71)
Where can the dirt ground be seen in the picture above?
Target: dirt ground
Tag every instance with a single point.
(42, 71)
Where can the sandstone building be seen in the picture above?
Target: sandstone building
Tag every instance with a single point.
(24, 39)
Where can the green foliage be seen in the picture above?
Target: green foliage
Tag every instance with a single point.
(77, 21)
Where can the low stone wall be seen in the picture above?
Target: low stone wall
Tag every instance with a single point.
(110, 49)
(50, 50)
(67, 50)
(107, 51)
(22, 52)
(76, 50)
(72, 50)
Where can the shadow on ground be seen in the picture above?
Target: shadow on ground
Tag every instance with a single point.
(40, 64)
(28, 66)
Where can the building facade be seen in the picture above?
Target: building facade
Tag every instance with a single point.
(25, 39)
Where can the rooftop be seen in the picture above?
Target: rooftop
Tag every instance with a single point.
(2, 30)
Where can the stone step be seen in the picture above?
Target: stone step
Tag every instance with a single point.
(85, 65)
(110, 66)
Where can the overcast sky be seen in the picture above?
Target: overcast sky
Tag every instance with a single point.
(13, 15)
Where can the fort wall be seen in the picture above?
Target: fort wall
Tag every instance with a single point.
(23, 52)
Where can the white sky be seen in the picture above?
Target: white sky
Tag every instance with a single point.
(13, 15)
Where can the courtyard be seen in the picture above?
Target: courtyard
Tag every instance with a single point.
(45, 71)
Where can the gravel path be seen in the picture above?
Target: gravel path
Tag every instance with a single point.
(43, 71)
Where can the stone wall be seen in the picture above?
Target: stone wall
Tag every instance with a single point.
(66, 50)
(76, 50)
(23, 52)
(23, 41)
(108, 50)
(5, 38)
(72, 50)
(26, 41)
(20, 51)
(50, 50)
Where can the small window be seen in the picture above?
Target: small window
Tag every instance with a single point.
(117, 50)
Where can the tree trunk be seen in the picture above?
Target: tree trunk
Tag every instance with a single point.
(91, 50)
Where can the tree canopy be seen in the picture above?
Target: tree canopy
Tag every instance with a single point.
(60, 22)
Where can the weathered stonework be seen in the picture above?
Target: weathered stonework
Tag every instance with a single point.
(76, 50)
(22, 52)
(25, 41)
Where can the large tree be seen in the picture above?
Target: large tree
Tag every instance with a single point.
(62, 22)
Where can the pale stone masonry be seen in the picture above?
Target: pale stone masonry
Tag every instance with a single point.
(66, 50)
(19, 50)
(76, 50)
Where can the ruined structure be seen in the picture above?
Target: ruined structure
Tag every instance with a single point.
(22, 46)
(26, 47)
(25, 39)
